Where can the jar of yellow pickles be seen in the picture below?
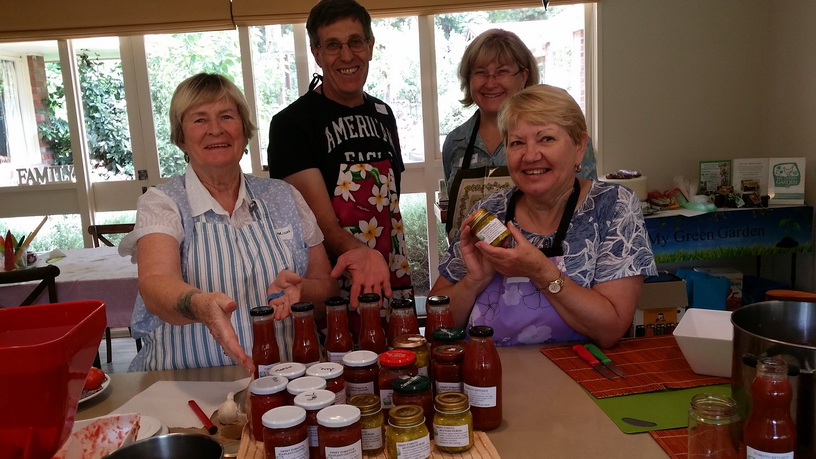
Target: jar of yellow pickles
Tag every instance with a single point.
(488, 228)
(372, 420)
(406, 434)
(452, 423)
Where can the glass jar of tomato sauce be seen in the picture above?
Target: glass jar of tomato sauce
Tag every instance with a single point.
(285, 433)
(393, 364)
(438, 315)
(402, 320)
(372, 335)
(264, 394)
(265, 351)
(415, 390)
(333, 374)
(361, 371)
(339, 432)
(313, 401)
(446, 369)
(416, 344)
(305, 347)
(769, 430)
(482, 374)
(338, 337)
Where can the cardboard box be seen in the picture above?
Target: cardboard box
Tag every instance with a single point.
(734, 298)
(661, 305)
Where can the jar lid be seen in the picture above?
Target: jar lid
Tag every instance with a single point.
(283, 417)
(408, 341)
(368, 403)
(397, 358)
(314, 399)
(338, 415)
(369, 298)
(415, 384)
(289, 370)
(261, 311)
(451, 402)
(406, 416)
(448, 334)
(268, 385)
(402, 303)
(305, 383)
(448, 352)
(303, 306)
(336, 301)
(438, 299)
(481, 331)
(360, 358)
(325, 370)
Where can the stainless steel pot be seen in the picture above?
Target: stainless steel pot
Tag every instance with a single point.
(785, 329)
(171, 446)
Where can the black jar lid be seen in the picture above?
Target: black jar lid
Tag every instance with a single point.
(481, 331)
(303, 306)
(261, 311)
(336, 301)
(369, 298)
(415, 384)
(402, 303)
(438, 299)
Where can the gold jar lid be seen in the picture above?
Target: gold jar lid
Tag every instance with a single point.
(406, 416)
(408, 341)
(367, 403)
(451, 402)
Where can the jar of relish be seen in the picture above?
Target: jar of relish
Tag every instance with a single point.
(264, 394)
(285, 433)
(415, 390)
(452, 423)
(288, 370)
(361, 371)
(372, 422)
(416, 344)
(446, 369)
(407, 436)
(339, 432)
(393, 364)
(313, 401)
(333, 374)
(303, 384)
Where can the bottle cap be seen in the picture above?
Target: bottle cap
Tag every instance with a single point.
(438, 299)
(268, 385)
(303, 306)
(481, 331)
(283, 417)
(314, 399)
(325, 370)
(338, 416)
(408, 341)
(368, 403)
(448, 353)
(360, 358)
(261, 311)
(448, 334)
(397, 358)
(411, 384)
(305, 383)
(289, 370)
(402, 303)
(336, 301)
(451, 402)
(368, 298)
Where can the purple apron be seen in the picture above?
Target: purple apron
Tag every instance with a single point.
(515, 308)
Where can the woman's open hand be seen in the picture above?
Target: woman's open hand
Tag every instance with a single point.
(289, 284)
(214, 311)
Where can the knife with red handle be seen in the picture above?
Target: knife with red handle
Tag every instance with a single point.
(604, 359)
(590, 359)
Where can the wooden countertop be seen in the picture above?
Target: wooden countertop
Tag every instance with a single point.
(545, 411)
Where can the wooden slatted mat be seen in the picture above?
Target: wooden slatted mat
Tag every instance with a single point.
(482, 449)
(673, 441)
(650, 364)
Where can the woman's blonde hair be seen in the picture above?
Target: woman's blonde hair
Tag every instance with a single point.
(500, 46)
(543, 104)
(205, 88)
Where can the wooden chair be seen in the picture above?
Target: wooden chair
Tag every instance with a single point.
(46, 275)
(99, 232)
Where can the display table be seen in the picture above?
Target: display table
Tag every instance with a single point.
(546, 413)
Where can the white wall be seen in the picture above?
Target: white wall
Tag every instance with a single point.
(691, 80)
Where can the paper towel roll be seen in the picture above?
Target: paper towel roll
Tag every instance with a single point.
(637, 184)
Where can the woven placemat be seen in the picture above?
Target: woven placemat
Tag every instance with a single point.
(650, 364)
(673, 441)
(482, 449)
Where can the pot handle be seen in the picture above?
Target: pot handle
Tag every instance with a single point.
(751, 361)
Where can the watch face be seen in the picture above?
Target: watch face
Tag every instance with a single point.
(554, 287)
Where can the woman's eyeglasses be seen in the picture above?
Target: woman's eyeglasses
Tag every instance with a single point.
(355, 45)
(502, 75)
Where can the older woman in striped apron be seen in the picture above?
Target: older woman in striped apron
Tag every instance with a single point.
(214, 242)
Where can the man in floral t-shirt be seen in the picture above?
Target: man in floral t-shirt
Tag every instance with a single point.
(339, 135)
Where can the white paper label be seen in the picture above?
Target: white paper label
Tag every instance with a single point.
(386, 397)
(340, 398)
(757, 454)
(481, 397)
(442, 387)
(372, 438)
(298, 451)
(452, 436)
(353, 389)
(352, 451)
(415, 449)
(337, 357)
(263, 370)
(312, 436)
(423, 370)
(491, 231)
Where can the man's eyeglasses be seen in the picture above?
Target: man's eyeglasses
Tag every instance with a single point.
(502, 75)
(355, 45)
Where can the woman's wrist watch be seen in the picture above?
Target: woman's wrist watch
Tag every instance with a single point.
(555, 286)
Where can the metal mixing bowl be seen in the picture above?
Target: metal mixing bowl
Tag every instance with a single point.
(172, 446)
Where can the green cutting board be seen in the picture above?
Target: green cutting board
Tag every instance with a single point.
(668, 409)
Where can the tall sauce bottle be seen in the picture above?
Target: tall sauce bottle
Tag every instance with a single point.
(305, 347)
(403, 320)
(338, 337)
(265, 351)
(769, 431)
(482, 374)
(372, 335)
(438, 315)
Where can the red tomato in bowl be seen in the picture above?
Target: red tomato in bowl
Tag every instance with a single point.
(94, 379)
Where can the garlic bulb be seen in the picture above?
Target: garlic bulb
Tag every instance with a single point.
(229, 412)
